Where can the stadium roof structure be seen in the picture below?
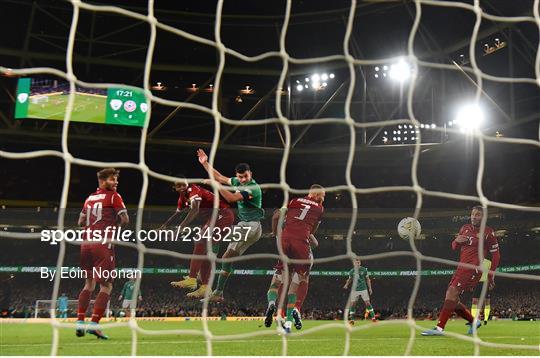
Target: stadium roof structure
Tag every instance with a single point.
(112, 48)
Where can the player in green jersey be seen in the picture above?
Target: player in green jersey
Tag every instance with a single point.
(248, 197)
(126, 296)
(363, 289)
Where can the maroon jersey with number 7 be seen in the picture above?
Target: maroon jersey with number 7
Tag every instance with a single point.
(303, 215)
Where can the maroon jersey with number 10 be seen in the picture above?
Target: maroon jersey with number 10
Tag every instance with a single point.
(102, 209)
(302, 217)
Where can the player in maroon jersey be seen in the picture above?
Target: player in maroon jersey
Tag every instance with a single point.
(200, 203)
(302, 290)
(466, 278)
(301, 221)
(103, 211)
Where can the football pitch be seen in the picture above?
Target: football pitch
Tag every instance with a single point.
(86, 108)
(378, 339)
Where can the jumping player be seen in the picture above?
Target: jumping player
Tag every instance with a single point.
(102, 209)
(465, 278)
(248, 196)
(200, 203)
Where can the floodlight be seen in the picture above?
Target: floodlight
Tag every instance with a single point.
(469, 117)
(400, 71)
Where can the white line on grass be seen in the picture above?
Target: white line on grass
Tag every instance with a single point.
(143, 341)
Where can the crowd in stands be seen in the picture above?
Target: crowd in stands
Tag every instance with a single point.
(246, 295)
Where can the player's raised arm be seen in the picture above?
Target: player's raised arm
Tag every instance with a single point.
(203, 159)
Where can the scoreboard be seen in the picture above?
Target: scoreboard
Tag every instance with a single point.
(47, 99)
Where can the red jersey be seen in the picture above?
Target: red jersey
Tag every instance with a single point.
(302, 217)
(206, 198)
(102, 209)
(469, 249)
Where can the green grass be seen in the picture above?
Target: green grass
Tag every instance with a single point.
(85, 109)
(35, 339)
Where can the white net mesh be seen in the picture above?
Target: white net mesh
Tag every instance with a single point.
(281, 119)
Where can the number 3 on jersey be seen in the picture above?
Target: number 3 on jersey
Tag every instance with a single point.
(303, 212)
(95, 211)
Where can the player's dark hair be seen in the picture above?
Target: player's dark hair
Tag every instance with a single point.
(242, 168)
(478, 207)
(104, 174)
(181, 179)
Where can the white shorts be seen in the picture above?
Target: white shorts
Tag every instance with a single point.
(248, 238)
(128, 304)
(364, 294)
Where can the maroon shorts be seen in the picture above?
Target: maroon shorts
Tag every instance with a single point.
(465, 279)
(224, 220)
(97, 260)
(296, 249)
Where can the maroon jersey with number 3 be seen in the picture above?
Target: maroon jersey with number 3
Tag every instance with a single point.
(303, 215)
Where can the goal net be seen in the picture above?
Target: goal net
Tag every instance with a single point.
(44, 309)
(348, 122)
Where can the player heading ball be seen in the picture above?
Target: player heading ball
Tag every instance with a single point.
(248, 197)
